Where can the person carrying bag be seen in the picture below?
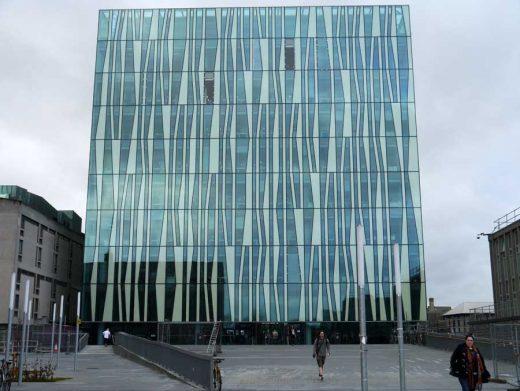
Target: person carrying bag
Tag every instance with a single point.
(321, 350)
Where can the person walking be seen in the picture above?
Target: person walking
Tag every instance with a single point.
(467, 364)
(321, 350)
(292, 336)
(106, 336)
(275, 336)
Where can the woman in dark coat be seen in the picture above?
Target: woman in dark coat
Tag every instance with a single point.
(468, 365)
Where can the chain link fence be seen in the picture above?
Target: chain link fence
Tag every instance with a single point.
(184, 333)
(498, 342)
(504, 343)
(40, 338)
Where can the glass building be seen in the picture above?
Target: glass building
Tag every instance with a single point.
(233, 153)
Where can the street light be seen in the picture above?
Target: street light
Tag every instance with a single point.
(492, 330)
(360, 256)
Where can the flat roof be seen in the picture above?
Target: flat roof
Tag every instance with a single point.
(67, 218)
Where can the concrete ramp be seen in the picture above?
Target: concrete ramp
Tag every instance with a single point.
(99, 368)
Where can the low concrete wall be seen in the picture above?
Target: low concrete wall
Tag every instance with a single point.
(504, 351)
(194, 368)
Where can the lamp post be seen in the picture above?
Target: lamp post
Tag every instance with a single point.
(360, 240)
(52, 332)
(29, 319)
(59, 332)
(398, 298)
(498, 308)
(77, 330)
(10, 317)
(21, 359)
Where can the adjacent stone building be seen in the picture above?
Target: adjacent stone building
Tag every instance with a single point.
(504, 249)
(43, 245)
(459, 318)
(435, 320)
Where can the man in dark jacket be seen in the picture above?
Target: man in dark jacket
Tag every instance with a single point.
(320, 351)
(467, 364)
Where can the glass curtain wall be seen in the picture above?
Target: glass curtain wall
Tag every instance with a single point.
(233, 153)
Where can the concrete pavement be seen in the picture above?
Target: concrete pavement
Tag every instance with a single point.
(282, 367)
(99, 368)
(271, 367)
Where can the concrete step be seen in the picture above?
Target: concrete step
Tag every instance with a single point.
(97, 349)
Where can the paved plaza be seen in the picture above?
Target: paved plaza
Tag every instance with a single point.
(271, 367)
(292, 368)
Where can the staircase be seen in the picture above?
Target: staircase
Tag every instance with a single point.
(214, 338)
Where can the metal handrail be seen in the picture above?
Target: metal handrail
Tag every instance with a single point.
(486, 309)
(507, 219)
(83, 341)
(191, 367)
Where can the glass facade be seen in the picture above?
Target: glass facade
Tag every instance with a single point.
(233, 153)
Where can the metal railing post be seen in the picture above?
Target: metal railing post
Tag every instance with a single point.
(494, 350)
(517, 353)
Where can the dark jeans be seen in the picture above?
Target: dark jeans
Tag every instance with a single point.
(464, 383)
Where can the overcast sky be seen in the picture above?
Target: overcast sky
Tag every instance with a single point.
(466, 60)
